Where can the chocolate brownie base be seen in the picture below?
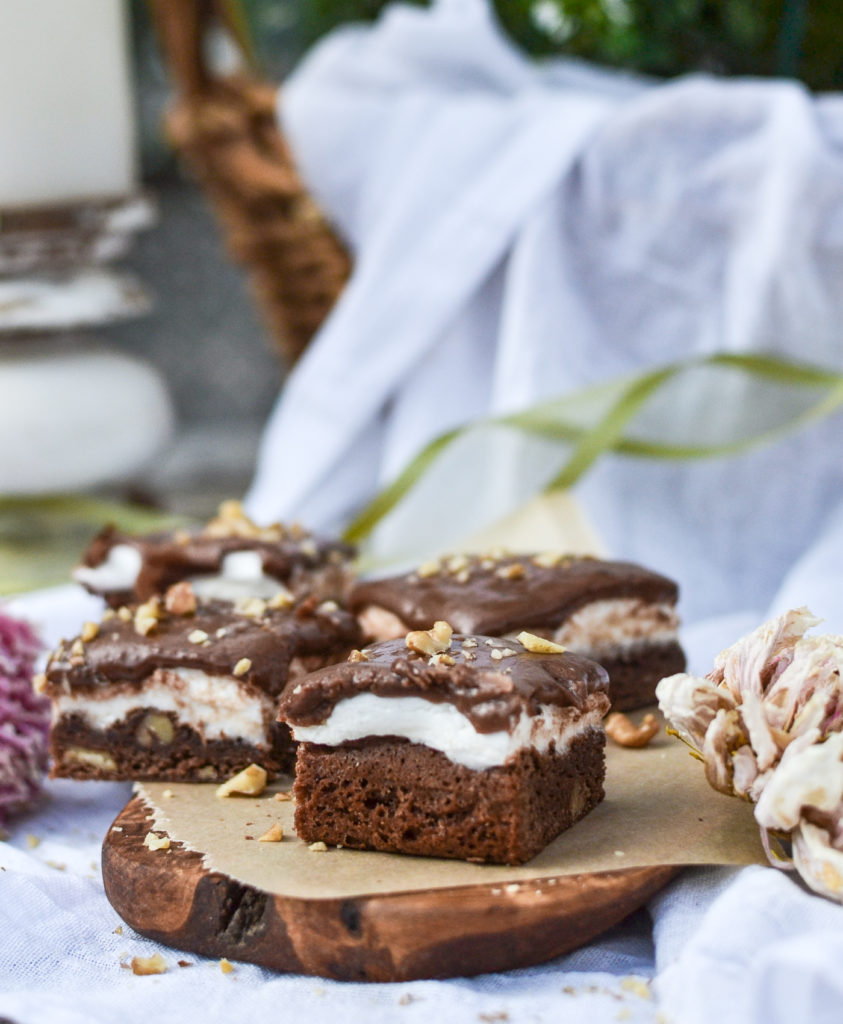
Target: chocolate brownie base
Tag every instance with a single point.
(396, 796)
(144, 747)
(634, 676)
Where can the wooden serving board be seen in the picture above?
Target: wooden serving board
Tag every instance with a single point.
(358, 915)
(399, 936)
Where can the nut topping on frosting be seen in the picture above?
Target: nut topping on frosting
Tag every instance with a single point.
(147, 616)
(441, 659)
(512, 571)
(180, 599)
(539, 644)
(89, 631)
(430, 641)
(427, 569)
(254, 607)
(232, 521)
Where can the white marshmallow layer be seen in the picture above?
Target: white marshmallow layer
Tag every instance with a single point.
(217, 707)
(443, 727)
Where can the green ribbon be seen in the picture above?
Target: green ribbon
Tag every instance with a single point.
(595, 420)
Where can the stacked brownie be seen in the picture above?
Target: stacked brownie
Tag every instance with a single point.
(181, 682)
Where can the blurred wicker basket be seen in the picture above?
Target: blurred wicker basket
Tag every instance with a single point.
(226, 129)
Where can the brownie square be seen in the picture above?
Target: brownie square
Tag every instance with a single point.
(188, 695)
(448, 745)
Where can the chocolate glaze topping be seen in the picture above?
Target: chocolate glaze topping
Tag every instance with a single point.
(490, 693)
(494, 596)
(173, 556)
(119, 654)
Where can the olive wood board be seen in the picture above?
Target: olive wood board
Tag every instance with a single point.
(357, 915)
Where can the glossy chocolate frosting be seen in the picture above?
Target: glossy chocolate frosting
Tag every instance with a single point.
(490, 693)
(120, 654)
(168, 557)
(496, 595)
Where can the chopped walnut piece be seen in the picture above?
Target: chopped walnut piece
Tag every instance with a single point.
(242, 666)
(39, 682)
(441, 659)
(89, 631)
(430, 641)
(427, 569)
(513, 571)
(155, 727)
(284, 796)
(496, 654)
(77, 648)
(623, 732)
(147, 616)
(283, 599)
(96, 758)
(358, 656)
(457, 563)
(469, 642)
(547, 559)
(124, 614)
(274, 834)
(154, 842)
(308, 547)
(180, 599)
(327, 607)
(197, 636)
(253, 607)
(318, 847)
(226, 966)
(250, 782)
(155, 964)
(539, 644)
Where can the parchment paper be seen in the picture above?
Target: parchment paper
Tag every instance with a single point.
(658, 810)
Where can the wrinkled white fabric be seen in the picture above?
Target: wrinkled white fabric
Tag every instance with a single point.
(521, 230)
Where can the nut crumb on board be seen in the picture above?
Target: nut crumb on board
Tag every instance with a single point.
(154, 842)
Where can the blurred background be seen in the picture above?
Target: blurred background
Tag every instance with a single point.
(143, 284)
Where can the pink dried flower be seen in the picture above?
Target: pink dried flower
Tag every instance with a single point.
(24, 719)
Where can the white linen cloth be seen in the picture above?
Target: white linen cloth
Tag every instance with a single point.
(521, 230)
(747, 946)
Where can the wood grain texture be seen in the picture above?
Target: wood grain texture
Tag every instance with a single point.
(171, 897)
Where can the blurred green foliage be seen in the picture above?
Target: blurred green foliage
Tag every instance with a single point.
(794, 38)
